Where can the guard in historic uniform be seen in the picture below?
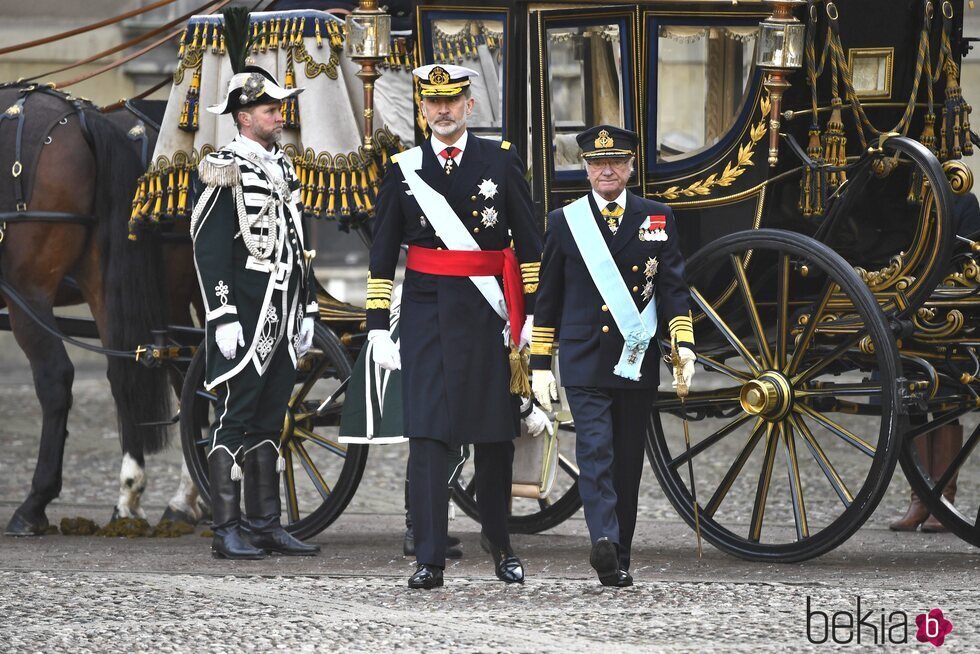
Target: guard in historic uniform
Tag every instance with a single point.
(611, 263)
(257, 283)
(458, 201)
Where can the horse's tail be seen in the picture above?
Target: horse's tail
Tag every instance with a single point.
(135, 295)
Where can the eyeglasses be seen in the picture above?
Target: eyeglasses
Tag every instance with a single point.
(615, 164)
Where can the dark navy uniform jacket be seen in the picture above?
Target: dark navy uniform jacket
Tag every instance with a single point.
(570, 305)
(456, 374)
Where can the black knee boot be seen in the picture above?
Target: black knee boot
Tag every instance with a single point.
(228, 541)
(262, 507)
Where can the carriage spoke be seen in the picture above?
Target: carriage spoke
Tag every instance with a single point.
(718, 366)
(544, 503)
(782, 311)
(327, 444)
(566, 464)
(762, 490)
(837, 390)
(795, 484)
(314, 376)
(734, 470)
(726, 331)
(826, 360)
(840, 431)
(750, 307)
(697, 399)
(811, 328)
(705, 443)
(311, 471)
(829, 471)
(957, 462)
(289, 481)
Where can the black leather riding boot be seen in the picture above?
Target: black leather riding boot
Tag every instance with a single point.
(227, 542)
(262, 507)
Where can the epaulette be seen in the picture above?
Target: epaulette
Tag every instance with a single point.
(219, 169)
(394, 157)
(505, 145)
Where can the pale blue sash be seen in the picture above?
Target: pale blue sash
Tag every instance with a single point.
(637, 329)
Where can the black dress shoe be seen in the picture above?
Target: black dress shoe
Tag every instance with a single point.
(453, 549)
(605, 559)
(507, 567)
(426, 576)
(621, 579)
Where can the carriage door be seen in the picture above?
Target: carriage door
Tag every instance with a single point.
(585, 73)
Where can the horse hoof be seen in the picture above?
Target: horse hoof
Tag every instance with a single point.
(19, 526)
(175, 515)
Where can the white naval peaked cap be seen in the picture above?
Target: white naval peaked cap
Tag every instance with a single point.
(443, 80)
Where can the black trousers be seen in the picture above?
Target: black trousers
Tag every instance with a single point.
(429, 494)
(250, 408)
(610, 429)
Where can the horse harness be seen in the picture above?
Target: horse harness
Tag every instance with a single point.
(16, 115)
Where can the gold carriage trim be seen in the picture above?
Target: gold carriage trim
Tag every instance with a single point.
(542, 340)
(529, 275)
(455, 48)
(682, 329)
(378, 293)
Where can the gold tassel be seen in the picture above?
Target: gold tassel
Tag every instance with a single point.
(320, 188)
(520, 383)
(368, 205)
(344, 203)
(917, 189)
(332, 196)
(181, 46)
(316, 32)
(185, 179)
(171, 192)
(812, 182)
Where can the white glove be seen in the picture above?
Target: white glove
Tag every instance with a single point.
(526, 333)
(544, 387)
(229, 336)
(385, 352)
(537, 422)
(687, 358)
(305, 338)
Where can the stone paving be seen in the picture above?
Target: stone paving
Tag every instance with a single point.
(82, 594)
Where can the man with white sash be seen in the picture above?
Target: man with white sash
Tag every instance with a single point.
(612, 263)
(458, 201)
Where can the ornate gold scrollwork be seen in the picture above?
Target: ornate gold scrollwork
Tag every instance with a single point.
(968, 277)
(888, 276)
(925, 328)
(733, 169)
(959, 175)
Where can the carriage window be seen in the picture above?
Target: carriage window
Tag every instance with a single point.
(477, 44)
(585, 78)
(703, 74)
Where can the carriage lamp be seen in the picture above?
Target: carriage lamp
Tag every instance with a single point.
(780, 52)
(368, 42)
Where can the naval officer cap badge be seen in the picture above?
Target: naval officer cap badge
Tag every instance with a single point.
(443, 80)
(607, 142)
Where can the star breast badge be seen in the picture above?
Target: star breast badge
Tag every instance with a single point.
(489, 217)
(651, 268)
(488, 189)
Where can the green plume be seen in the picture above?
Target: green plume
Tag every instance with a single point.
(238, 37)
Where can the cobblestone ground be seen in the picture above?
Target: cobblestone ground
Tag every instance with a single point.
(81, 594)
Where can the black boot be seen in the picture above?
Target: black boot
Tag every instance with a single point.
(507, 567)
(262, 508)
(228, 542)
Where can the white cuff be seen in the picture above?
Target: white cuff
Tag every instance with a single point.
(221, 311)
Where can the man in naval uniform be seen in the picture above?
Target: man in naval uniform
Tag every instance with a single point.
(257, 282)
(611, 262)
(458, 201)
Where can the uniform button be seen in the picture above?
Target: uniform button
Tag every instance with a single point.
(636, 289)
(636, 268)
(605, 308)
(472, 198)
(476, 213)
(605, 329)
(439, 248)
(476, 230)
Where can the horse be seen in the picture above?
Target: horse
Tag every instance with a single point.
(65, 218)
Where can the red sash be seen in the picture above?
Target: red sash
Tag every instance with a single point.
(477, 263)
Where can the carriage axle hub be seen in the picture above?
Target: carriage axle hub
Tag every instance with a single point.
(770, 396)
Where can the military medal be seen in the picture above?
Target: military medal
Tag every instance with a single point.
(653, 229)
(613, 224)
(649, 271)
(489, 217)
(488, 189)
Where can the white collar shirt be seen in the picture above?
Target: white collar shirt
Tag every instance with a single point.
(439, 147)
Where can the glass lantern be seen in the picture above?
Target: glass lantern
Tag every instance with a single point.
(368, 33)
(781, 37)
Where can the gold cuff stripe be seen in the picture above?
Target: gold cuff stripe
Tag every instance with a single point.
(531, 288)
(533, 265)
(546, 333)
(378, 304)
(542, 348)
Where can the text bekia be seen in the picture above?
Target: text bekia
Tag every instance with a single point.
(877, 626)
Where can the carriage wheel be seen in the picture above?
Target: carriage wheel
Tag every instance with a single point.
(796, 369)
(531, 516)
(321, 473)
